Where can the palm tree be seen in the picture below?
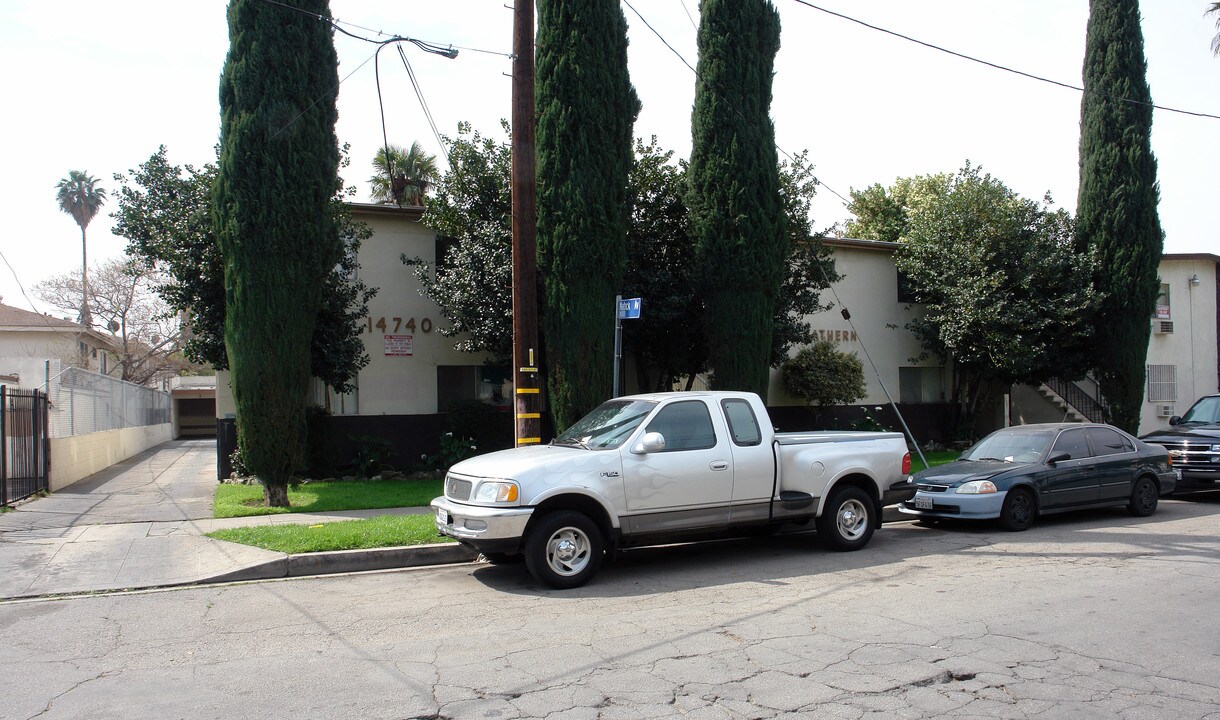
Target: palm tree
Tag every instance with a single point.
(79, 196)
(1215, 10)
(402, 176)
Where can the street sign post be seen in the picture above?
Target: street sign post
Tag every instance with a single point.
(628, 309)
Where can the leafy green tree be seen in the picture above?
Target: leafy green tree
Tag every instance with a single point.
(586, 108)
(1116, 213)
(881, 213)
(822, 374)
(736, 209)
(1004, 293)
(80, 196)
(809, 265)
(402, 175)
(668, 343)
(164, 212)
(277, 141)
(472, 216)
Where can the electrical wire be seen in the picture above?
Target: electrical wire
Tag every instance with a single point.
(732, 106)
(997, 66)
(419, 93)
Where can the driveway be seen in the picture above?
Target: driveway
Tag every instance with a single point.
(173, 481)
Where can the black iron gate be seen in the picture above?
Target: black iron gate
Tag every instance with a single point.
(23, 443)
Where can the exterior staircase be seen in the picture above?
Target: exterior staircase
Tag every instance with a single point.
(1076, 404)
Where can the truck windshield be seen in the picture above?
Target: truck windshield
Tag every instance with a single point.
(608, 426)
(1205, 411)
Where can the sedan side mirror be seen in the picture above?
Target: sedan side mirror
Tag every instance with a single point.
(1175, 419)
(650, 443)
(1058, 457)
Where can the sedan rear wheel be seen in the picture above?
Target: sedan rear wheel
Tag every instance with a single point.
(1019, 510)
(1143, 498)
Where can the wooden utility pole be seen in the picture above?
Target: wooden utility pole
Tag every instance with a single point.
(526, 377)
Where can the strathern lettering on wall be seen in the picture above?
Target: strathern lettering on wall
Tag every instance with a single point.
(837, 336)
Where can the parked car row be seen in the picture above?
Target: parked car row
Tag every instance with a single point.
(661, 467)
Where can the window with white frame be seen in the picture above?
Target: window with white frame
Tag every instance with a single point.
(1162, 383)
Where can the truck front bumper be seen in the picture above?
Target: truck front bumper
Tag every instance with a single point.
(486, 529)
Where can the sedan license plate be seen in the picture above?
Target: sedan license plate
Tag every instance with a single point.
(923, 503)
(442, 517)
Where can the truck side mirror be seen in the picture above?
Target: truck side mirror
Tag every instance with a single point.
(650, 443)
(1175, 419)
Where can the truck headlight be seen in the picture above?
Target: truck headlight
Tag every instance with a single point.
(976, 487)
(496, 492)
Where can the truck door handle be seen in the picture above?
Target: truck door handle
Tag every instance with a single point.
(720, 465)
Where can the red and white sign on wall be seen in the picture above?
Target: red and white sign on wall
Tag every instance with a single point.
(398, 344)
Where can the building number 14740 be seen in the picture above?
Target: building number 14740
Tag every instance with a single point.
(396, 325)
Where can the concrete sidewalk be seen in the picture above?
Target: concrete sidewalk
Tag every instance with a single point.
(141, 523)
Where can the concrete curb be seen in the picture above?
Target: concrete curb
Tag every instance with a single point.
(344, 561)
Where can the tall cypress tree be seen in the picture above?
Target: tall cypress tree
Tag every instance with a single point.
(1116, 213)
(274, 224)
(586, 110)
(737, 216)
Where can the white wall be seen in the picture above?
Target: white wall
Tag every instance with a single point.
(1191, 347)
(78, 457)
(869, 290)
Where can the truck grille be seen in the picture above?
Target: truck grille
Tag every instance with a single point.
(1192, 456)
(456, 489)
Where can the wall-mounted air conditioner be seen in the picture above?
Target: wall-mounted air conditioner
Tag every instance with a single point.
(1164, 411)
(1162, 327)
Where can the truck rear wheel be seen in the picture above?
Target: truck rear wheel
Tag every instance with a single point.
(564, 549)
(846, 522)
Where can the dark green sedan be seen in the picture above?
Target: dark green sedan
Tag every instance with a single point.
(1018, 473)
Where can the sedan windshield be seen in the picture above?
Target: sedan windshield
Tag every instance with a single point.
(1206, 411)
(1011, 446)
(608, 426)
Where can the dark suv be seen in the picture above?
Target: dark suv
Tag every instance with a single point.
(1193, 442)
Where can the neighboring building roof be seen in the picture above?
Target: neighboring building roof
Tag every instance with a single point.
(882, 245)
(12, 318)
(411, 212)
(1191, 256)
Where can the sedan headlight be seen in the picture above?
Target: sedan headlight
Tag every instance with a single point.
(496, 492)
(976, 487)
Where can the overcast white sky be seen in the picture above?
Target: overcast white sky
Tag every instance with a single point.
(98, 86)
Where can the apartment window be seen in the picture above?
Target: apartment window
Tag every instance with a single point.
(1162, 383)
(921, 384)
(1162, 303)
(485, 383)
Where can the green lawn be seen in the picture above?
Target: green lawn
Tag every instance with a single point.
(380, 531)
(242, 500)
(934, 458)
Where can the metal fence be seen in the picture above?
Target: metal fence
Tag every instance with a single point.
(23, 450)
(84, 402)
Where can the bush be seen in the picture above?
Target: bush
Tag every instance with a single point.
(372, 455)
(821, 374)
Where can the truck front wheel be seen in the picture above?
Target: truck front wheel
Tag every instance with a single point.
(564, 549)
(846, 522)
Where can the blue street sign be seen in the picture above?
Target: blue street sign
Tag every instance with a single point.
(629, 309)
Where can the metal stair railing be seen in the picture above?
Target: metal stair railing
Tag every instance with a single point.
(1079, 400)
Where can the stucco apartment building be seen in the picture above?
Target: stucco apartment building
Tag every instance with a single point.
(415, 372)
(28, 340)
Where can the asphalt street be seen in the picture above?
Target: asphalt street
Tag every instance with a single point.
(1092, 615)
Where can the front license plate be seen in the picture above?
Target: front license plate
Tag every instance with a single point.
(1177, 473)
(923, 503)
(442, 517)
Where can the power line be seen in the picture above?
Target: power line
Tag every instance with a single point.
(997, 66)
(735, 109)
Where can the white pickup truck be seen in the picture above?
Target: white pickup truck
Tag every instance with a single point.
(646, 469)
